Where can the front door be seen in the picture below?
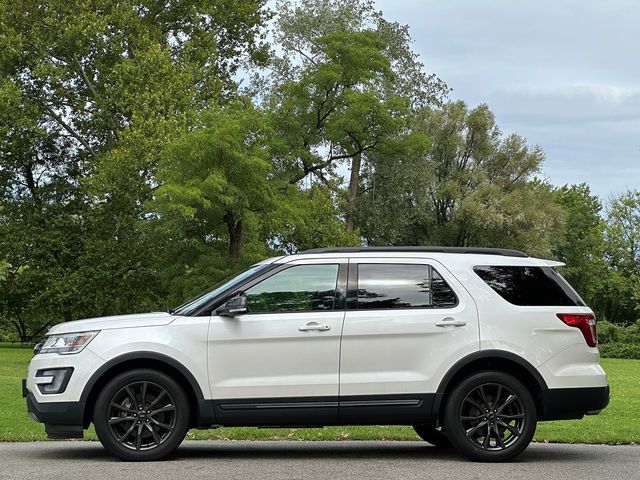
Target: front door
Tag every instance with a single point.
(279, 363)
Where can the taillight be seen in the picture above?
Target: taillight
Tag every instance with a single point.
(586, 322)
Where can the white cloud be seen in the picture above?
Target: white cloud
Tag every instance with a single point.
(562, 73)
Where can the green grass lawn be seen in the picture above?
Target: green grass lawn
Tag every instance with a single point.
(619, 423)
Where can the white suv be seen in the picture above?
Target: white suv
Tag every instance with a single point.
(471, 346)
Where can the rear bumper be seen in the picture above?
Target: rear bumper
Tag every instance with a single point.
(571, 403)
(61, 419)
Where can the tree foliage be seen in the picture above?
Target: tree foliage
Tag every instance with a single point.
(474, 186)
(90, 92)
(135, 172)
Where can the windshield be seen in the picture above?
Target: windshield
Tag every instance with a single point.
(191, 306)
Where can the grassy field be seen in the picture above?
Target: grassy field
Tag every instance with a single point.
(619, 423)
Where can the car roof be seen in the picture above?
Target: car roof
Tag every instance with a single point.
(460, 256)
(460, 250)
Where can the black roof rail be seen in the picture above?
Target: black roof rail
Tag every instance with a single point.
(477, 250)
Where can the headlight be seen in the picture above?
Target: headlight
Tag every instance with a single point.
(67, 343)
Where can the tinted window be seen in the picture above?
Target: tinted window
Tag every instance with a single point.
(530, 286)
(402, 286)
(441, 293)
(296, 289)
(197, 303)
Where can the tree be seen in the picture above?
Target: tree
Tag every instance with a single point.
(217, 176)
(473, 187)
(622, 251)
(220, 207)
(90, 93)
(344, 85)
(581, 247)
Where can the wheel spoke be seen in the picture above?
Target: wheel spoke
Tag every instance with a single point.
(168, 408)
(127, 433)
(511, 428)
(474, 403)
(487, 437)
(507, 402)
(156, 437)
(484, 397)
(143, 397)
(139, 437)
(157, 399)
(497, 399)
(114, 420)
(498, 436)
(512, 417)
(160, 424)
(473, 430)
(123, 408)
(471, 419)
(131, 395)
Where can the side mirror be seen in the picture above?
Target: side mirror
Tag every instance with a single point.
(234, 306)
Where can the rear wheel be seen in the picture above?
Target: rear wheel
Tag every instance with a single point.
(432, 435)
(141, 415)
(490, 417)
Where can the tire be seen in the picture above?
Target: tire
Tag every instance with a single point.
(490, 417)
(135, 432)
(432, 435)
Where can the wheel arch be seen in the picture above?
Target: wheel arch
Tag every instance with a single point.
(491, 360)
(202, 410)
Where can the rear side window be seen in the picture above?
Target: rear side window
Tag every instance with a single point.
(529, 286)
(382, 285)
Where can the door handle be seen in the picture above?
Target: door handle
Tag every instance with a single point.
(450, 322)
(313, 326)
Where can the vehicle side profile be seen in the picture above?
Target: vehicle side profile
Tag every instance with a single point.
(470, 346)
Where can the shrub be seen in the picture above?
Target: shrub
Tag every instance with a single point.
(620, 350)
(619, 341)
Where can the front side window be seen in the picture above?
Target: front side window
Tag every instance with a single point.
(387, 286)
(199, 302)
(297, 289)
(529, 286)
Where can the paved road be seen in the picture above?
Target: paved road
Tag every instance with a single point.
(315, 460)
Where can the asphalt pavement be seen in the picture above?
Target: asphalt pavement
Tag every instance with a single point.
(69, 460)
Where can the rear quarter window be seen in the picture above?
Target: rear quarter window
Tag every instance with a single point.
(529, 286)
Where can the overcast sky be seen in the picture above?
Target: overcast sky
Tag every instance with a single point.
(564, 74)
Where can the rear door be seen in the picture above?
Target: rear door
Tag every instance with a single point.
(408, 321)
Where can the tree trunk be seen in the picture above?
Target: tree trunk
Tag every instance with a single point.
(67, 313)
(352, 194)
(236, 234)
(21, 329)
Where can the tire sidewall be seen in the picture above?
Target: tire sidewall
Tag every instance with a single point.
(456, 433)
(432, 435)
(104, 433)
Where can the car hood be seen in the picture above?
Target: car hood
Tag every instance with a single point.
(116, 321)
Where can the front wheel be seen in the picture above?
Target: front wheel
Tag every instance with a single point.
(490, 417)
(141, 415)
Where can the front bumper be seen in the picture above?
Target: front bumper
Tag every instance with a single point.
(61, 419)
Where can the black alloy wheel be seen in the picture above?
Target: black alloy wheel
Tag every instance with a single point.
(490, 416)
(141, 415)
